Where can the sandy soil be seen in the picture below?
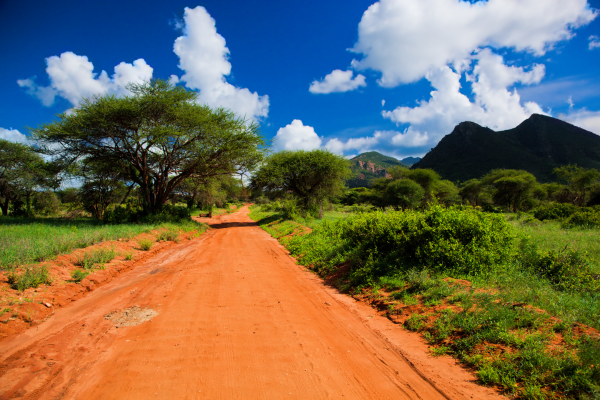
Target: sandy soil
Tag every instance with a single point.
(226, 316)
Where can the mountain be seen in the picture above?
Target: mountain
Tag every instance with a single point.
(369, 166)
(537, 145)
(410, 161)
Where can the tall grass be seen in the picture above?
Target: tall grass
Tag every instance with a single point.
(29, 240)
(549, 235)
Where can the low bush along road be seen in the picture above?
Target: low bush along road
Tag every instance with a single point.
(229, 315)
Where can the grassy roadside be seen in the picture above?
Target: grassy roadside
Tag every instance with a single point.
(518, 327)
(29, 240)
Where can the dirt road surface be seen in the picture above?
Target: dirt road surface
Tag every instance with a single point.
(229, 316)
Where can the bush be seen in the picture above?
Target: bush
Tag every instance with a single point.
(586, 218)
(167, 213)
(96, 257)
(555, 211)
(169, 235)
(32, 277)
(145, 244)
(78, 275)
(459, 241)
(566, 270)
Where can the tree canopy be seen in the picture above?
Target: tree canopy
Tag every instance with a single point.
(155, 138)
(311, 176)
(22, 170)
(511, 187)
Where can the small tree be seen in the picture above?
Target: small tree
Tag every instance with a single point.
(311, 176)
(22, 171)
(470, 192)
(512, 188)
(155, 138)
(579, 181)
(404, 193)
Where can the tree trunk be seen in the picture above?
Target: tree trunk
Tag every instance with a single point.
(320, 209)
(4, 206)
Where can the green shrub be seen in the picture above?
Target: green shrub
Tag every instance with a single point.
(566, 270)
(32, 277)
(555, 211)
(167, 213)
(453, 240)
(128, 256)
(586, 218)
(169, 235)
(78, 275)
(145, 244)
(96, 257)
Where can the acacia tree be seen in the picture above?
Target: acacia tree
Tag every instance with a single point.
(579, 181)
(311, 176)
(155, 138)
(511, 187)
(22, 171)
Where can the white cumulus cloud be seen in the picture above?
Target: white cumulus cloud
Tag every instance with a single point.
(13, 135)
(337, 81)
(361, 144)
(594, 42)
(589, 120)
(405, 39)
(72, 77)
(494, 105)
(203, 56)
(410, 138)
(296, 136)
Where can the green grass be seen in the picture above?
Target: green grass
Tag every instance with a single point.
(145, 244)
(78, 275)
(29, 240)
(549, 235)
(95, 258)
(31, 277)
(170, 234)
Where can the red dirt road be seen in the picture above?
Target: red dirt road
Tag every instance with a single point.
(237, 319)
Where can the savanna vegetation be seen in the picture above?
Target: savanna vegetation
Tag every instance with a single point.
(141, 163)
(502, 273)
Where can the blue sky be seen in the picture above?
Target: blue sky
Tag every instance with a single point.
(347, 76)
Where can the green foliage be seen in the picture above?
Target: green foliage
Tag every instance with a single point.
(168, 235)
(30, 278)
(512, 188)
(22, 170)
(128, 256)
(28, 240)
(45, 203)
(145, 244)
(79, 275)
(166, 214)
(585, 218)
(554, 211)
(311, 176)
(460, 241)
(579, 181)
(476, 335)
(155, 139)
(404, 194)
(95, 258)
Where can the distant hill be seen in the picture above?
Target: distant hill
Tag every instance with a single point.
(537, 145)
(410, 160)
(368, 166)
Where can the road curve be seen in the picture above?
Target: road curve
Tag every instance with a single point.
(237, 319)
